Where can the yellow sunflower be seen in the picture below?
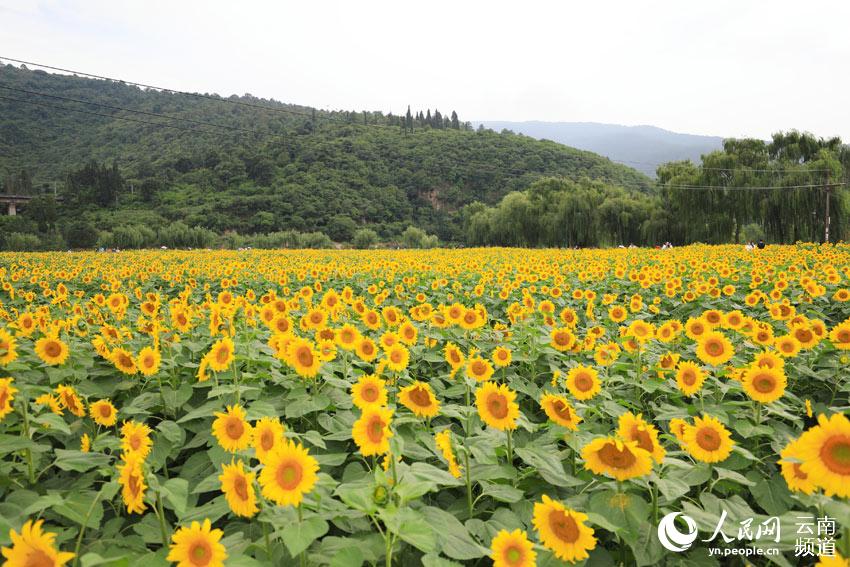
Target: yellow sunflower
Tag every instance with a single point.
(792, 470)
(583, 382)
(303, 357)
(123, 361)
(479, 368)
(366, 349)
(787, 346)
(69, 399)
(501, 356)
(371, 432)
(369, 391)
(840, 336)
(443, 440)
(707, 440)
(289, 474)
(7, 394)
(419, 399)
(266, 434)
(620, 459)
(132, 480)
(559, 410)
(715, 348)
(221, 354)
(825, 454)
(562, 530)
(562, 339)
(136, 438)
(8, 347)
(453, 356)
(197, 546)
(34, 548)
(51, 350)
(634, 428)
(496, 406)
(231, 430)
(148, 361)
(103, 413)
(763, 384)
(512, 549)
(689, 377)
(238, 487)
(397, 357)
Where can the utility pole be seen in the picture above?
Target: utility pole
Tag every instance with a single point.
(826, 219)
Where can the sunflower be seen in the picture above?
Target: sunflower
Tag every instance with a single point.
(289, 474)
(763, 384)
(453, 356)
(562, 530)
(768, 359)
(302, 356)
(123, 361)
(678, 426)
(840, 336)
(197, 546)
(136, 438)
(132, 480)
(397, 357)
(443, 440)
(238, 487)
(583, 382)
(85, 443)
(512, 549)
(220, 354)
(7, 394)
(559, 410)
(148, 361)
(501, 356)
(408, 333)
(825, 454)
(51, 350)
(562, 339)
(787, 346)
(707, 440)
(231, 430)
(69, 399)
(696, 328)
(266, 434)
(103, 413)
(496, 406)
(479, 368)
(369, 391)
(715, 348)
(347, 337)
(34, 548)
(419, 399)
(689, 377)
(366, 349)
(792, 470)
(634, 428)
(8, 347)
(371, 432)
(620, 459)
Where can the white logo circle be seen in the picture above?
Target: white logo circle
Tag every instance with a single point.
(670, 536)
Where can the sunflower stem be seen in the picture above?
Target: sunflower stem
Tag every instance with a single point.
(510, 448)
(468, 480)
(267, 540)
(26, 432)
(389, 546)
(161, 515)
(302, 557)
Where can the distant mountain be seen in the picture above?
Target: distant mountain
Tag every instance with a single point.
(641, 147)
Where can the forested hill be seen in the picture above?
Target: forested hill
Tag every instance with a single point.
(261, 170)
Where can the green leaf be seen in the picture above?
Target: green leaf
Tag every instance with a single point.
(432, 560)
(83, 508)
(501, 492)
(351, 557)
(411, 527)
(53, 422)
(176, 492)
(173, 432)
(771, 494)
(358, 495)
(547, 462)
(78, 461)
(452, 536)
(300, 535)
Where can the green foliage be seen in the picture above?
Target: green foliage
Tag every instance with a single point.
(365, 238)
(21, 242)
(752, 232)
(413, 237)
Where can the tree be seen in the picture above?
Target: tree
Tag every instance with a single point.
(412, 237)
(365, 238)
(455, 121)
(341, 228)
(43, 211)
(81, 234)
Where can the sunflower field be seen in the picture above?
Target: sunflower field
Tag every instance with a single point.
(438, 408)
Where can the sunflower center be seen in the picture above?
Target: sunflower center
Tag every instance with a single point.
(105, 410)
(147, 361)
(764, 383)
(135, 442)
(641, 435)
(689, 377)
(267, 440)
(4, 395)
(125, 360)
(708, 439)
(420, 396)
(38, 558)
(200, 553)
(52, 349)
(514, 555)
(561, 339)
(134, 483)
(369, 393)
(375, 430)
(497, 406)
(714, 348)
(584, 382)
(616, 458)
(835, 454)
(563, 526)
(289, 475)
(234, 428)
(240, 487)
(367, 349)
(478, 368)
(305, 357)
(396, 356)
(562, 410)
(843, 336)
(222, 354)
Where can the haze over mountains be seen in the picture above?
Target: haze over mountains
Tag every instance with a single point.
(640, 147)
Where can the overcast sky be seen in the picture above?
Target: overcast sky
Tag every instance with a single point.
(728, 68)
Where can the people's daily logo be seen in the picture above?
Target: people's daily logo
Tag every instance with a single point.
(670, 536)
